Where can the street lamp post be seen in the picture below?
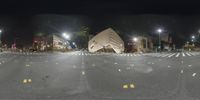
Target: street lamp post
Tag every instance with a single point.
(135, 39)
(0, 36)
(193, 38)
(159, 40)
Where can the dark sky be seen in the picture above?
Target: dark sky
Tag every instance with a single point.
(23, 19)
(181, 27)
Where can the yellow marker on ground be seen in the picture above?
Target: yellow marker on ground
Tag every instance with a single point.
(125, 86)
(29, 80)
(132, 86)
(27, 65)
(25, 81)
(93, 65)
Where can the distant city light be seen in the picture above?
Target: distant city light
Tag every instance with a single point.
(135, 39)
(0, 30)
(66, 36)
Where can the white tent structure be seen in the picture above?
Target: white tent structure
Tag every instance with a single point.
(106, 39)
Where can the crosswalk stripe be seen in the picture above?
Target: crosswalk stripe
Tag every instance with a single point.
(188, 54)
(166, 55)
(183, 54)
(177, 54)
(171, 55)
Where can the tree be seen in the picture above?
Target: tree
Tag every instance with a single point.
(82, 37)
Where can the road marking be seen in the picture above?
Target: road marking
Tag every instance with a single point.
(115, 63)
(194, 74)
(183, 54)
(132, 86)
(181, 71)
(166, 55)
(171, 55)
(83, 72)
(93, 65)
(177, 54)
(188, 54)
(125, 86)
(29, 80)
(25, 81)
(189, 65)
(27, 65)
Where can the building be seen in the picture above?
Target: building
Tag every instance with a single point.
(50, 42)
(166, 42)
(140, 44)
(106, 41)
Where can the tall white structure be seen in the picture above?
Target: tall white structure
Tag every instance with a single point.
(105, 40)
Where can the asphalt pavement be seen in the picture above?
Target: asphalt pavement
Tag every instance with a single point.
(100, 76)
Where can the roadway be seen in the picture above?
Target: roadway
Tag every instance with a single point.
(85, 76)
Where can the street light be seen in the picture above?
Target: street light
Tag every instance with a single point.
(159, 32)
(135, 39)
(193, 37)
(0, 35)
(66, 36)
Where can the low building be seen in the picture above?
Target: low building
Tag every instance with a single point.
(51, 42)
(106, 41)
(166, 42)
(140, 44)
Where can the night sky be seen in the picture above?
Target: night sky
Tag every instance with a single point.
(21, 20)
(25, 27)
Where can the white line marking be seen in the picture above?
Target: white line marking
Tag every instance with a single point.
(171, 55)
(188, 54)
(181, 71)
(183, 54)
(194, 74)
(177, 54)
(166, 55)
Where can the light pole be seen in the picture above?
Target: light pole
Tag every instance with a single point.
(135, 39)
(159, 41)
(0, 35)
(193, 38)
